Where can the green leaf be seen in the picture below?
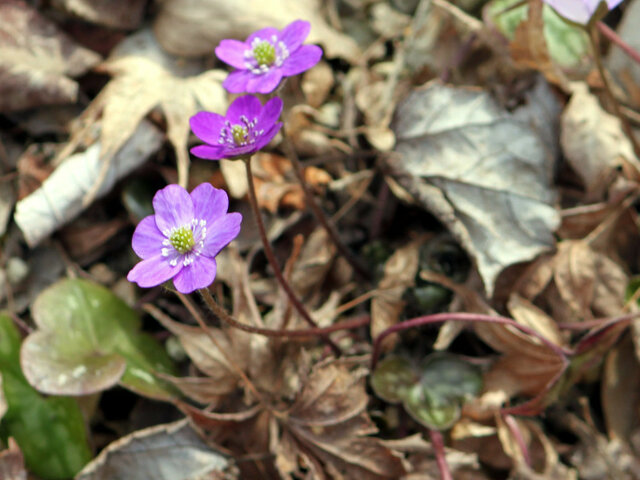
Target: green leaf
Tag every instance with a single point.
(51, 431)
(88, 340)
(568, 44)
(446, 382)
(392, 379)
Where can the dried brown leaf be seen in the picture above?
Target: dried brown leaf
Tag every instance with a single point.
(37, 60)
(195, 27)
(125, 14)
(399, 274)
(593, 141)
(12, 462)
(326, 428)
(574, 276)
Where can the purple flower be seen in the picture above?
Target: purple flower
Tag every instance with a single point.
(182, 239)
(247, 127)
(267, 56)
(579, 11)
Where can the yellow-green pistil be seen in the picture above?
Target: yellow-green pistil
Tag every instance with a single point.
(182, 240)
(239, 134)
(264, 53)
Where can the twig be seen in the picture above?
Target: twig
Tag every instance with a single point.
(613, 37)
(271, 258)
(298, 169)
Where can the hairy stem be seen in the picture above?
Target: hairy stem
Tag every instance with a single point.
(438, 448)
(461, 317)
(595, 46)
(271, 258)
(328, 226)
(222, 314)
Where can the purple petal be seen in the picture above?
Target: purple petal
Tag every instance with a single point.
(575, 10)
(264, 34)
(199, 274)
(265, 83)
(295, 33)
(147, 239)
(208, 152)
(240, 151)
(236, 82)
(221, 233)
(173, 207)
(302, 59)
(207, 126)
(232, 53)
(153, 271)
(209, 203)
(247, 105)
(266, 137)
(270, 113)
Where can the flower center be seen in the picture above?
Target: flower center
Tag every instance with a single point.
(182, 240)
(264, 53)
(239, 134)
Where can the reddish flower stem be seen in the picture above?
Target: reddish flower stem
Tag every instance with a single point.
(222, 314)
(271, 258)
(613, 37)
(513, 427)
(441, 459)
(461, 317)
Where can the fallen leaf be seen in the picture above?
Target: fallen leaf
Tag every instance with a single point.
(121, 14)
(59, 199)
(143, 73)
(484, 172)
(593, 141)
(195, 27)
(87, 340)
(165, 452)
(326, 430)
(12, 463)
(37, 60)
(399, 274)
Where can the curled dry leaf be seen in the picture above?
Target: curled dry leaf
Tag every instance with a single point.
(143, 74)
(593, 141)
(59, 199)
(165, 452)
(195, 27)
(126, 14)
(37, 60)
(484, 172)
(399, 274)
(325, 430)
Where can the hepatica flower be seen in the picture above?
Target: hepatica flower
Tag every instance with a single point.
(580, 11)
(182, 239)
(247, 127)
(266, 57)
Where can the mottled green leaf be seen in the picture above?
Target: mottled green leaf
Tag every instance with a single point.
(50, 431)
(88, 340)
(392, 378)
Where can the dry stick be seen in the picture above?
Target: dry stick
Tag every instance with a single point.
(222, 314)
(593, 37)
(271, 258)
(438, 447)
(328, 226)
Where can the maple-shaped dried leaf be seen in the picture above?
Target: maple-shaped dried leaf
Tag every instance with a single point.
(146, 77)
(195, 27)
(326, 430)
(37, 60)
(165, 452)
(484, 172)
